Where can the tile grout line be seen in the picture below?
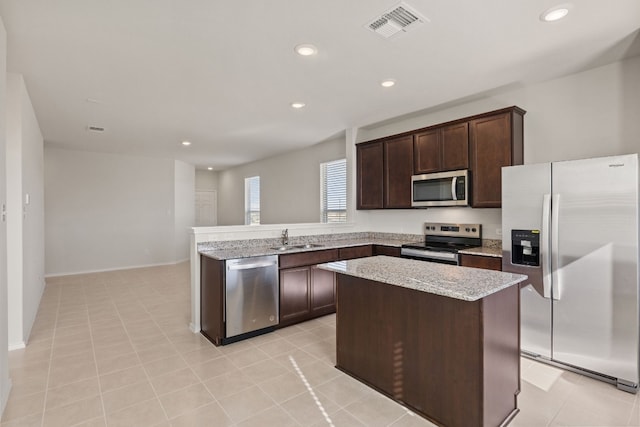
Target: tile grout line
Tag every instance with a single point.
(95, 360)
(53, 340)
(124, 327)
(146, 310)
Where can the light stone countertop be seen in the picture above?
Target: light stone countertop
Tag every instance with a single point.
(259, 249)
(483, 251)
(463, 283)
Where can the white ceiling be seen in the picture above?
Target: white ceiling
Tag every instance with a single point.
(223, 74)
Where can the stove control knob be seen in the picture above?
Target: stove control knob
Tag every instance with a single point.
(473, 229)
(467, 229)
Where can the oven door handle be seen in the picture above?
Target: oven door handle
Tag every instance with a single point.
(445, 256)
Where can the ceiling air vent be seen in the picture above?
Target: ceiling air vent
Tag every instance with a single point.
(97, 129)
(396, 21)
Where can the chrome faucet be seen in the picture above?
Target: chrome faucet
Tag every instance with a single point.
(285, 237)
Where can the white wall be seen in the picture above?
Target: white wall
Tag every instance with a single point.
(33, 219)
(107, 211)
(588, 114)
(289, 186)
(25, 238)
(15, 249)
(5, 382)
(185, 208)
(206, 180)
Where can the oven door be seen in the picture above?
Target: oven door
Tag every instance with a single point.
(441, 257)
(440, 189)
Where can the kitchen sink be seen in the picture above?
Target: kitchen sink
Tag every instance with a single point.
(287, 247)
(310, 245)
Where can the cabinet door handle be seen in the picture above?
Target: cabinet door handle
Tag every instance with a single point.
(250, 266)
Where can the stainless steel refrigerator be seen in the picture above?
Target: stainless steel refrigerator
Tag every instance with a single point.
(572, 227)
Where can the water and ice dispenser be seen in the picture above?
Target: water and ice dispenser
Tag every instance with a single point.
(525, 247)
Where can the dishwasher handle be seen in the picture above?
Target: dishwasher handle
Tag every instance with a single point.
(251, 265)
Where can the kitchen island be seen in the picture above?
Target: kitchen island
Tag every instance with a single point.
(442, 340)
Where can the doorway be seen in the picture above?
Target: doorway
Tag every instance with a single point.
(206, 208)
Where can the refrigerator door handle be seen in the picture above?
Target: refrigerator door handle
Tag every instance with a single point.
(544, 245)
(454, 183)
(555, 251)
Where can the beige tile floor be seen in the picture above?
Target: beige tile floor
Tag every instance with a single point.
(114, 349)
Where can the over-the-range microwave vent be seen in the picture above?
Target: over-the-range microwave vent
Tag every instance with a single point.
(396, 21)
(96, 129)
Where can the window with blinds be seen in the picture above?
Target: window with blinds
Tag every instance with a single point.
(252, 200)
(333, 191)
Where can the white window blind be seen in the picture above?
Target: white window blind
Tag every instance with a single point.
(333, 191)
(252, 200)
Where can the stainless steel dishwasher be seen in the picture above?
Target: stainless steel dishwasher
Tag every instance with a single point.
(251, 296)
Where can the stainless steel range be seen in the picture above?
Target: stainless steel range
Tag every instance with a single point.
(442, 241)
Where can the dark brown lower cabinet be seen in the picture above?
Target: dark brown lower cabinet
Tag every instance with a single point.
(323, 291)
(295, 301)
(306, 292)
(386, 250)
(212, 299)
(480, 261)
(353, 252)
(455, 362)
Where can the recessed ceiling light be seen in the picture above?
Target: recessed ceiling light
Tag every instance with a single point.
(388, 83)
(306, 49)
(186, 143)
(298, 105)
(209, 168)
(555, 13)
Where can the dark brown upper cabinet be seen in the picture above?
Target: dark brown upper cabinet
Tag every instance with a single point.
(483, 144)
(427, 152)
(441, 149)
(370, 182)
(495, 140)
(398, 168)
(384, 170)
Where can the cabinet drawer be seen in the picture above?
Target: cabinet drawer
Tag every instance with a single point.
(355, 252)
(386, 250)
(308, 258)
(480, 261)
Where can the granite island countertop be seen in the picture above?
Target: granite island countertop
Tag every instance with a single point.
(463, 283)
(262, 250)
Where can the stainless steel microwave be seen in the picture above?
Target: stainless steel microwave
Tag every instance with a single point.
(440, 189)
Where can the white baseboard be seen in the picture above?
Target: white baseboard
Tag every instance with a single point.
(128, 267)
(17, 345)
(193, 328)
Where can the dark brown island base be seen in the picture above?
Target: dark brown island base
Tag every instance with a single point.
(442, 340)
